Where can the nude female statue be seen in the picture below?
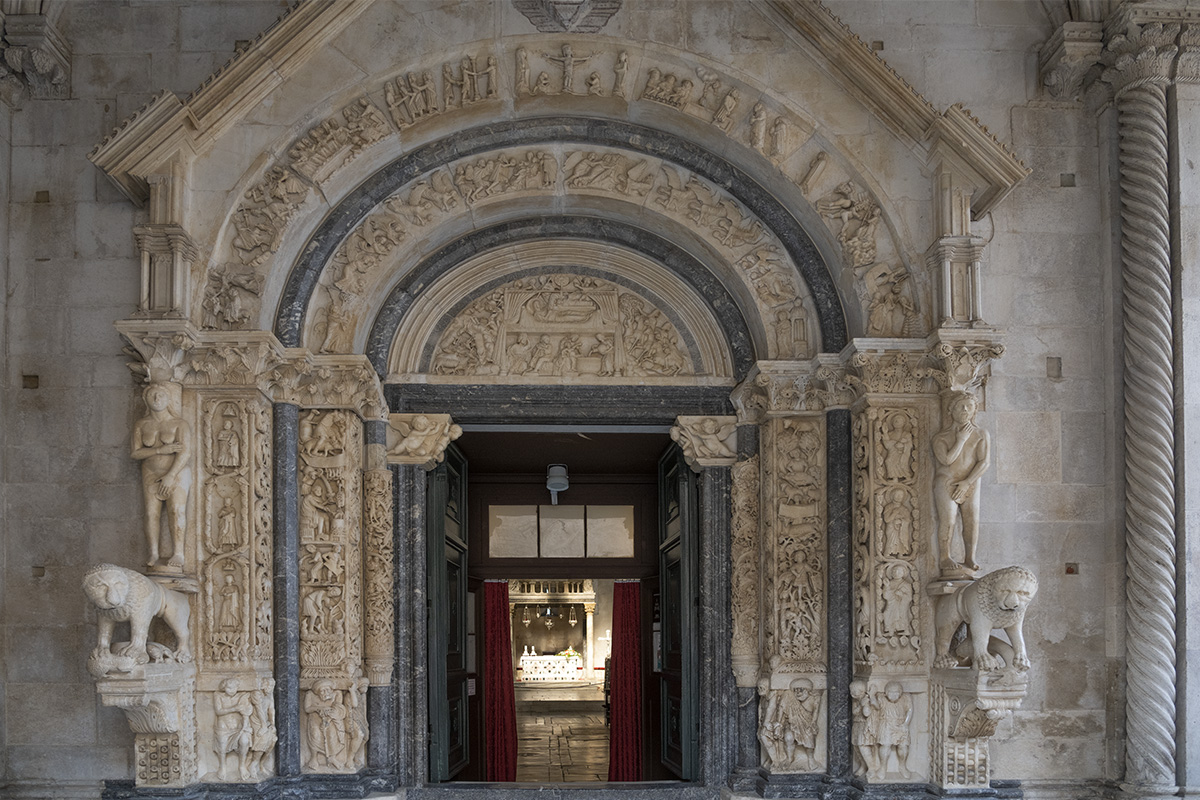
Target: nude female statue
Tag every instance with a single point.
(963, 452)
(161, 441)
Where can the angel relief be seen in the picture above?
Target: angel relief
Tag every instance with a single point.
(561, 326)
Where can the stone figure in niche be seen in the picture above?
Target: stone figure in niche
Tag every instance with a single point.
(161, 441)
(122, 595)
(227, 533)
(862, 731)
(897, 600)
(328, 738)
(897, 524)
(229, 445)
(233, 710)
(892, 715)
(897, 441)
(997, 600)
(890, 309)
(620, 70)
(962, 452)
(230, 616)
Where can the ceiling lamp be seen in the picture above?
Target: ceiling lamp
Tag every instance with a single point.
(556, 481)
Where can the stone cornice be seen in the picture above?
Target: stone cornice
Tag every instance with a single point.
(167, 126)
(990, 166)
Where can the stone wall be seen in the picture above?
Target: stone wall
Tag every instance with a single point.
(71, 493)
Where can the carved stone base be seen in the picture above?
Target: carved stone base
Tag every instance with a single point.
(158, 701)
(966, 705)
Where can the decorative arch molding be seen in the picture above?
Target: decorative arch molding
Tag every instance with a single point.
(349, 213)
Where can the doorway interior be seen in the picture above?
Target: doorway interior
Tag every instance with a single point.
(516, 532)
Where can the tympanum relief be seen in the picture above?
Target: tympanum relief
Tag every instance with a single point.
(561, 325)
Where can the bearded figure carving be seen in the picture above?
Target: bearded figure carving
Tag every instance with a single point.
(997, 600)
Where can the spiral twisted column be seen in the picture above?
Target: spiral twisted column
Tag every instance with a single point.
(1149, 440)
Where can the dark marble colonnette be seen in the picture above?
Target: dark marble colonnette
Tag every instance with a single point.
(409, 676)
(718, 709)
(286, 499)
(840, 587)
(381, 700)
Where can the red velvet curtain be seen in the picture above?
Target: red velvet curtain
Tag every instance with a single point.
(625, 685)
(499, 701)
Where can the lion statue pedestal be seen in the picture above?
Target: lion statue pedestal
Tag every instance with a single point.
(977, 680)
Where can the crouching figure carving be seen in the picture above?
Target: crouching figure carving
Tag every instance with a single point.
(122, 595)
(997, 600)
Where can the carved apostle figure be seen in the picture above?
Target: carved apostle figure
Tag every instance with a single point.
(897, 441)
(897, 599)
(227, 534)
(892, 717)
(161, 441)
(233, 710)
(962, 451)
(897, 524)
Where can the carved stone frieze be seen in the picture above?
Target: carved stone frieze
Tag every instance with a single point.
(857, 217)
(232, 298)
(744, 576)
(379, 622)
(794, 489)
(706, 441)
(420, 438)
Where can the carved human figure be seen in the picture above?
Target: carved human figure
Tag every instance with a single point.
(770, 737)
(230, 616)
(898, 598)
(542, 355)
(569, 61)
(227, 535)
(317, 512)
(893, 715)
(594, 87)
(519, 353)
(490, 74)
(312, 612)
(161, 441)
(522, 71)
(723, 118)
(962, 451)
(798, 709)
(890, 309)
(542, 85)
(233, 710)
(262, 732)
(862, 730)
(620, 69)
(326, 726)
(779, 137)
(758, 127)
(356, 722)
(897, 524)
(897, 440)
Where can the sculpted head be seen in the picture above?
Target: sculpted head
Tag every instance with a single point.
(1013, 588)
(106, 586)
(963, 407)
(858, 689)
(157, 397)
(802, 687)
(893, 690)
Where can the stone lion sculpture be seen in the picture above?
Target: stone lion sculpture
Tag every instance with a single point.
(122, 595)
(997, 600)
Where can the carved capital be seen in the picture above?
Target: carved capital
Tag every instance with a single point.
(1140, 55)
(706, 441)
(780, 388)
(889, 370)
(36, 59)
(318, 381)
(420, 439)
(962, 359)
(1068, 56)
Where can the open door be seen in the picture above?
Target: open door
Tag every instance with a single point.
(449, 709)
(677, 553)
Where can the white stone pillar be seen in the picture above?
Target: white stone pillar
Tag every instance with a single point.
(589, 610)
(1141, 65)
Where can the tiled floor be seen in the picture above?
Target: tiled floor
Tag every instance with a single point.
(560, 739)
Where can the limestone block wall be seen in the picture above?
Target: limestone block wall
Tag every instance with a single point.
(71, 491)
(1051, 499)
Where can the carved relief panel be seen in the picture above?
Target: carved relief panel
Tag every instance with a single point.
(561, 325)
(744, 577)
(334, 730)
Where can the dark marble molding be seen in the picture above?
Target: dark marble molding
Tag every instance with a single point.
(347, 214)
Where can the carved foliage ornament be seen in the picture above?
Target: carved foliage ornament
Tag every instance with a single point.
(379, 622)
(744, 577)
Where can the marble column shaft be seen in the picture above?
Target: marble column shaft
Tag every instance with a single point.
(286, 499)
(840, 586)
(411, 672)
(718, 709)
